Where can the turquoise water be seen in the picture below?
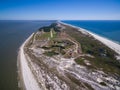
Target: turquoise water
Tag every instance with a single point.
(109, 29)
(12, 35)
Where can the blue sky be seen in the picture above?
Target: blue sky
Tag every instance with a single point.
(60, 9)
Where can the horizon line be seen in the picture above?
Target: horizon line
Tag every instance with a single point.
(59, 19)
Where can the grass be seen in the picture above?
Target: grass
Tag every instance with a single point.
(89, 44)
(46, 35)
(107, 65)
(104, 56)
(80, 61)
(51, 53)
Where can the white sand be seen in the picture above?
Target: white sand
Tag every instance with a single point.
(111, 44)
(28, 78)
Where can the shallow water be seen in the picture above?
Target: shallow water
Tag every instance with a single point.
(12, 35)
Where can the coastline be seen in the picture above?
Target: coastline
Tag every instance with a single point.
(25, 75)
(109, 43)
(27, 80)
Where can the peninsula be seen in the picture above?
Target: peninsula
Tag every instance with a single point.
(65, 57)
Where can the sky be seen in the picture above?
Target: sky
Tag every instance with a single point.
(59, 9)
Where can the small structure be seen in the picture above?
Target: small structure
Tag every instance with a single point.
(51, 32)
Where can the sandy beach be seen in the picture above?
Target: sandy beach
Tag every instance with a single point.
(28, 79)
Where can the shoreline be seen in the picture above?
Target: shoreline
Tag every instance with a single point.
(109, 43)
(27, 80)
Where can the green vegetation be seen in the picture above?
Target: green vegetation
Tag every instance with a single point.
(55, 46)
(46, 35)
(80, 61)
(105, 64)
(103, 83)
(55, 43)
(47, 28)
(71, 43)
(89, 44)
(103, 56)
(51, 53)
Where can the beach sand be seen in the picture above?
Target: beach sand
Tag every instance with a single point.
(29, 81)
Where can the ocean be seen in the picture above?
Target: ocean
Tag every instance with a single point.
(14, 32)
(106, 28)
